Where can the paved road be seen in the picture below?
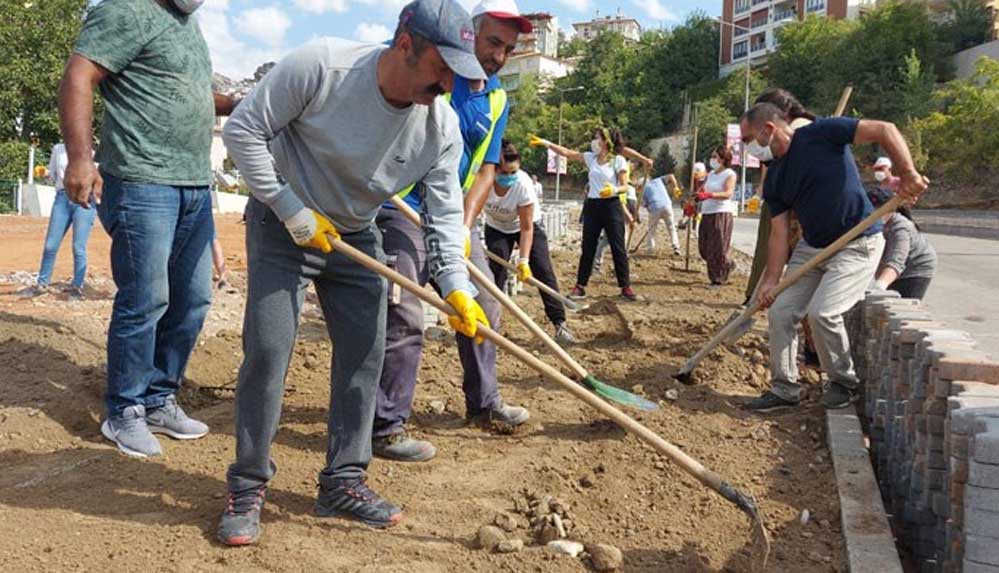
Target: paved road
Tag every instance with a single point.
(965, 291)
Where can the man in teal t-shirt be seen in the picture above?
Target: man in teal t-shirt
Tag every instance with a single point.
(151, 64)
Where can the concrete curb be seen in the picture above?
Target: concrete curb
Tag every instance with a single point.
(870, 546)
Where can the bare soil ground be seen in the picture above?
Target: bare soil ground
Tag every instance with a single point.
(69, 501)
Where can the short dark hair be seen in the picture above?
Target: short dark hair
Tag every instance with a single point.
(509, 151)
(420, 43)
(725, 154)
(764, 112)
(785, 100)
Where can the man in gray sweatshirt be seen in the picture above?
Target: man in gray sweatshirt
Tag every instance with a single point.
(348, 126)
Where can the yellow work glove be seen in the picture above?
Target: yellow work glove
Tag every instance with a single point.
(469, 314)
(523, 271)
(608, 191)
(535, 141)
(311, 230)
(468, 243)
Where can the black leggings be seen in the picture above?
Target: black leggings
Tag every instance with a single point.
(914, 287)
(540, 260)
(603, 215)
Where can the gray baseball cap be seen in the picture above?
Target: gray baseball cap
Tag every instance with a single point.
(449, 28)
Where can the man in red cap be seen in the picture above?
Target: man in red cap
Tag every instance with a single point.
(482, 109)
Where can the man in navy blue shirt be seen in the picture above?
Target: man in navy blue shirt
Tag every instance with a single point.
(813, 173)
(482, 110)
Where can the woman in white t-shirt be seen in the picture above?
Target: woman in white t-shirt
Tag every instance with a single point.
(604, 210)
(718, 212)
(513, 217)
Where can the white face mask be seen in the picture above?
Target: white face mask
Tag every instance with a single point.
(596, 147)
(880, 175)
(714, 163)
(762, 152)
(187, 6)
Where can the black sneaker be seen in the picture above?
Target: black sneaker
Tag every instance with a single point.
(577, 293)
(770, 402)
(353, 499)
(240, 523)
(510, 415)
(838, 396)
(401, 447)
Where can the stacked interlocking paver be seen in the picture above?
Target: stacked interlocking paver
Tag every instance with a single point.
(931, 403)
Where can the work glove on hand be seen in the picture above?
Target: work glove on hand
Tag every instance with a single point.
(608, 191)
(311, 230)
(703, 195)
(535, 141)
(689, 210)
(468, 314)
(524, 271)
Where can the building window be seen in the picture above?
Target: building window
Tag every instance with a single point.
(760, 20)
(815, 5)
(784, 13)
(740, 50)
(741, 5)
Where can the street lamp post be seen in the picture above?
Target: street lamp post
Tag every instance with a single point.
(742, 148)
(558, 160)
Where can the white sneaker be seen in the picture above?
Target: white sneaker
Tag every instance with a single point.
(131, 434)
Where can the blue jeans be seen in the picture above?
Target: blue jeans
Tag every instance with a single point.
(161, 261)
(64, 215)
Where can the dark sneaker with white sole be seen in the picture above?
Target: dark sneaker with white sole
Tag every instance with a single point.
(353, 499)
(171, 420)
(838, 396)
(240, 523)
(510, 415)
(577, 293)
(131, 434)
(770, 402)
(401, 447)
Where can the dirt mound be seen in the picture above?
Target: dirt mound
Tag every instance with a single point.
(68, 501)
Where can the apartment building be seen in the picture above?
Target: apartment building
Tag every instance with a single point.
(627, 27)
(749, 27)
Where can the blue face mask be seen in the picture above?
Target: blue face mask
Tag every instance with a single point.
(506, 180)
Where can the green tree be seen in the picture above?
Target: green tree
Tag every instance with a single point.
(36, 38)
(807, 53)
(713, 118)
(874, 58)
(571, 47)
(970, 24)
(960, 141)
(664, 162)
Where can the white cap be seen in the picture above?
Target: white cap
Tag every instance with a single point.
(882, 162)
(700, 168)
(503, 10)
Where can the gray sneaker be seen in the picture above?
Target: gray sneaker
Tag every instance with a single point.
(563, 335)
(510, 415)
(130, 432)
(401, 447)
(170, 419)
(240, 523)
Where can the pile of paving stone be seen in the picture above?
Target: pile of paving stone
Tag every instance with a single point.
(931, 402)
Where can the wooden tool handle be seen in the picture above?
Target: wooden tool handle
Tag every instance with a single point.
(531, 281)
(484, 282)
(689, 464)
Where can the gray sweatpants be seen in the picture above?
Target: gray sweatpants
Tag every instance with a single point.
(823, 294)
(353, 303)
(404, 335)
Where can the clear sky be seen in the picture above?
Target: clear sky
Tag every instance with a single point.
(243, 34)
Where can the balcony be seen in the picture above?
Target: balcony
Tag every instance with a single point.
(785, 14)
(759, 47)
(741, 6)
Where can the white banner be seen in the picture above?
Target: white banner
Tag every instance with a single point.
(734, 141)
(557, 163)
